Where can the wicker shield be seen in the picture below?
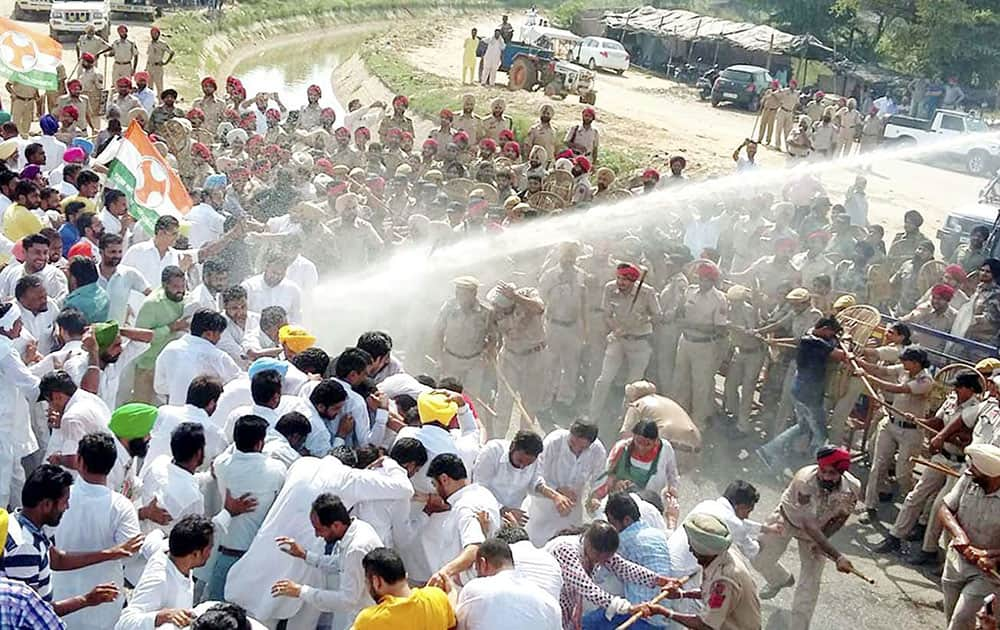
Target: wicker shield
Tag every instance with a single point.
(546, 201)
(560, 183)
(175, 135)
(490, 191)
(930, 274)
(618, 194)
(879, 289)
(859, 322)
(944, 381)
(458, 189)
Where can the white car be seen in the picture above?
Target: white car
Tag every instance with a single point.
(600, 52)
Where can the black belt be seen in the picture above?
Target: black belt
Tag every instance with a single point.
(531, 350)
(123, 63)
(23, 98)
(684, 448)
(706, 340)
(460, 356)
(157, 63)
(902, 424)
(636, 337)
(232, 553)
(744, 350)
(559, 322)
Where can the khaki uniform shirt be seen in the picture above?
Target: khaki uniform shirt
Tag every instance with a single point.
(23, 92)
(470, 125)
(948, 412)
(788, 99)
(814, 110)
(522, 329)
(156, 52)
(770, 101)
(92, 44)
(926, 316)
(639, 322)
(744, 316)
(770, 275)
(309, 116)
(92, 81)
(349, 157)
(465, 334)
(904, 245)
(442, 137)
(82, 105)
(809, 268)
(850, 123)
(124, 51)
(804, 498)
(729, 595)
(491, 126)
(915, 401)
(709, 307)
(802, 322)
(987, 429)
(392, 122)
(563, 293)
(543, 136)
(978, 513)
(586, 138)
(124, 104)
(213, 108)
(672, 295)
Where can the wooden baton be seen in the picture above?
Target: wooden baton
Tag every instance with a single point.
(656, 600)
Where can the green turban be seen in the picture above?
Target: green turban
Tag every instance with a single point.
(4, 117)
(134, 420)
(707, 535)
(105, 334)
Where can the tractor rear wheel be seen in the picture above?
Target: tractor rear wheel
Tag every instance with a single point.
(522, 75)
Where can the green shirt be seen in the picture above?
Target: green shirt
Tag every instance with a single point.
(157, 313)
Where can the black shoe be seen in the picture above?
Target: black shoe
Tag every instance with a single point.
(770, 591)
(870, 516)
(917, 533)
(889, 544)
(923, 558)
(884, 497)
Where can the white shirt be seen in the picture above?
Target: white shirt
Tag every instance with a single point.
(365, 431)
(175, 490)
(346, 592)
(446, 534)
(53, 279)
(495, 472)
(97, 518)
(502, 602)
(538, 567)
(146, 259)
(232, 338)
(303, 273)
(147, 98)
(40, 325)
(161, 586)
(200, 298)
(289, 516)
(184, 359)
(84, 413)
(169, 417)
(206, 225)
(463, 442)
(119, 287)
(242, 473)
(54, 150)
(111, 374)
(285, 294)
(744, 535)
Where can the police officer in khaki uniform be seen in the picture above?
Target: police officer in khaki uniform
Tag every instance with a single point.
(468, 121)
(703, 320)
(970, 513)
(77, 99)
(748, 354)
(728, 595)
(25, 101)
(125, 54)
(522, 360)
(563, 290)
(91, 43)
(93, 87)
(769, 104)
(465, 335)
(491, 126)
(815, 505)
(905, 244)
(442, 135)
(398, 120)
(158, 54)
(541, 133)
(788, 99)
(629, 312)
(910, 382)
(52, 96)
(668, 333)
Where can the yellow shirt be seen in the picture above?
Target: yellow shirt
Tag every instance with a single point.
(471, 45)
(18, 222)
(425, 609)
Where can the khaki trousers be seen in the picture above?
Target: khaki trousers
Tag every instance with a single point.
(741, 384)
(565, 350)
(94, 106)
(842, 410)
(636, 352)
(963, 599)
(469, 371)
(667, 338)
(155, 78)
(694, 378)
(925, 490)
(783, 126)
(526, 375)
(119, 70)
(892, 439)
(811, 563)
(767, 117)
(932, 535)
(22, 112)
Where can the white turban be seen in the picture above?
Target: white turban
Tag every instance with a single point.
(985, 457)
(11, 316)
(235, 135)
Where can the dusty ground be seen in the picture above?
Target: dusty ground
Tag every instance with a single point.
(662, 117)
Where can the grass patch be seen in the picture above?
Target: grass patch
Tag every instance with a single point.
(429, 94)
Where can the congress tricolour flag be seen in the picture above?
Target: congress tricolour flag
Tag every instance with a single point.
(151, 186)
(28, 58)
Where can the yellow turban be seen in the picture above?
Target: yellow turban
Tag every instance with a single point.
(435, 407)
(4, 518)
(296, 338)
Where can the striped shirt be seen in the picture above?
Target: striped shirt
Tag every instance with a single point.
(26, 556)
(22, 608)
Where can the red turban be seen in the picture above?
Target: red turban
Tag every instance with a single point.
(142, 75)
(838, 457)
(506, 135)
(195, 113)
(944, 291)
(364, 132)
(406, 135)
(628, 272)
(122, 28)
(271, 152)
(231, 115)
(651, 173)
(591, 111)
(478, 208)
(820, 234)
(395, 132)
(261, 167)
(401, 100)
(488, 143)
(820, 94)
(155, 30)
(568, 154)
(327, 114)
(708, 270)
(200, 149)
(775, 84)
(81, 248)
(72, 82)
(209, 81)
(336, 189)
(513, 146)
(793, 83)
(123, 82)
(583, 163)
(314, 89)
(342, 132)
(460, 136)
(430, 142)
(88, 57)
(785, 245)
(273, 115)
(955, 271)
(447, 113)
(71, 111)
(254, 140)
(232, 81)
(325, 166)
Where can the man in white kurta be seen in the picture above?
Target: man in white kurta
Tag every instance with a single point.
(491, 59)
(273, 288)
(79, 412)
(17, 386)
(571, 461)
(289, 516)
(510, 470)
(170, 416)
(192, 355)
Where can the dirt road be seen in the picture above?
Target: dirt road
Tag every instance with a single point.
(662, 117)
